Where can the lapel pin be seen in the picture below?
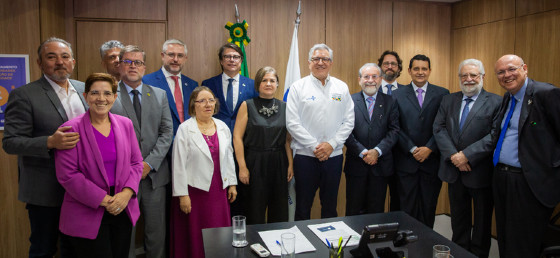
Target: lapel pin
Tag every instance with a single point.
(148, 94)
(529, 102)
(380, 105)
(533, 123)
(243, 84)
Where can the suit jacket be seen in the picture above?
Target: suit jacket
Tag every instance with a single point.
(246, 91)
(475, 140)
(81, 172)
(156, 132)
(417, 127)
(381, 131)
(539, 139)
(157, 79)
(33, 113)
(192, 162)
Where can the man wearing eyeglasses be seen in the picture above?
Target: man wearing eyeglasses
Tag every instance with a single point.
(462, 130)
(369, 158)
(320, 117)
(230, 87)
(527, 159)
(110, 52)
(148, 109)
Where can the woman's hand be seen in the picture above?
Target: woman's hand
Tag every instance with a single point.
(185, 204)
(244, 175)
(232, 193)
(290, 173)
(119, 202)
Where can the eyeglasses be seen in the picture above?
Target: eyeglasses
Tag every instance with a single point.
(513, 69)
(389, 64)
(316, 60)
(205, 101)
(137, 63)
(173, 55)
(106, 94)
(367, 77)
(473, 76)
(231, 57)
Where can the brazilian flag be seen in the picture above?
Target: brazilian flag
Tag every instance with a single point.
(238, 35)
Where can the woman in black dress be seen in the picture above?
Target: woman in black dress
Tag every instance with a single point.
(262, 150)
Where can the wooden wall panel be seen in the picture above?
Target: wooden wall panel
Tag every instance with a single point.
(539, 46)
(423, 28)
(91, 34)
(122, 9)
(52, 19)
(526, 7)
(487, 43)
(475, 12)
(357, 39)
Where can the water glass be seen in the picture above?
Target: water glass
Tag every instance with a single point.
(441, 249)
(288, 245)
(239, 233)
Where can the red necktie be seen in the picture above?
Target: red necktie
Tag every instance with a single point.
(178, 99)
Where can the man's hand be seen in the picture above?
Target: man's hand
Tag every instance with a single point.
(465, 168)
(421, 153)
(146, 170)
(62, 141)
(371, 157)
(459, 159)
(323, 151)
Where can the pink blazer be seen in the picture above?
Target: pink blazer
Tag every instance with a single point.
(82, 174)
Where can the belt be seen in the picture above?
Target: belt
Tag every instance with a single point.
(509, 168)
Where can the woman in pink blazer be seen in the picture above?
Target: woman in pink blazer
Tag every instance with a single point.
(100, 175)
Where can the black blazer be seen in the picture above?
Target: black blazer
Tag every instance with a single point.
(475, 140)
(539, 139)
(417, 127)
(381, 131)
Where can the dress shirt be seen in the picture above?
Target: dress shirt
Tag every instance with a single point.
(131, 95)
(510, 150)
(385, 83)
(171, 82)
(376, 148)
(235, 84)
(463, 102)
(317, 113)
(70, 99)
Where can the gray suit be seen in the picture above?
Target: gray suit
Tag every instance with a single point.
(154, 137)
(475, 141)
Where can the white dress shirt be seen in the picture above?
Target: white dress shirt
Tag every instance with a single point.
(384, 86)
(235, 83)
(70, 99)
(171, 82)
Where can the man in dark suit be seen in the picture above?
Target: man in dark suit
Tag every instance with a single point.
(230, 87)
(527, 159)
(462, 130)
(391, 67)
(173, 57)
(369, 158)
(416, 154)
(33, 115)
(148, 109)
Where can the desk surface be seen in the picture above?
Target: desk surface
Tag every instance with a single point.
(217, 241)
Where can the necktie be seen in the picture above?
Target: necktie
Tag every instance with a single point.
(503, 132)
(136, 105)
(229, 96)
(178, 99)
(370, 101)
(389, 89)
(465, 113)
(420, 98)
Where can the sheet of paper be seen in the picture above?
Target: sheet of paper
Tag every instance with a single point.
(333, 231)
(270, 237)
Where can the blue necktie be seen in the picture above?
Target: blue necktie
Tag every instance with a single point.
(229, 96)
(503, 132)
(465, 113)
(389, 89)
(370, 101)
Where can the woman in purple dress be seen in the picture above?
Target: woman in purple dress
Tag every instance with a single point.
(203, 176)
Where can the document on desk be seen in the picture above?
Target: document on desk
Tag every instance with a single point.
(333, 231)
(271, 236)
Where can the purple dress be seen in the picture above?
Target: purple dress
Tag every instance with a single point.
(209, 210)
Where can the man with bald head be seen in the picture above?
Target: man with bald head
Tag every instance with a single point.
(526, 159)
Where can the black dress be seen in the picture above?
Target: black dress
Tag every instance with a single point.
(265, 156)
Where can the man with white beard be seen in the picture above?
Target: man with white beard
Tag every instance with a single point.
(369, 159)
(462, 130)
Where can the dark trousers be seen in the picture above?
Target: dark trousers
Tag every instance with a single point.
(462, 199)
(365, 194)
(45, 234)
(521, 219)
(419, 193)
(310, 174)
(113, 239)
(394, 200)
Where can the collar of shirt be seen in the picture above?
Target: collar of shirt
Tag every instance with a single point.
(385, 83)
(225, 78)
(129, 90)
(521, 93)
(171, 81)
(473, 97)
(374, 96)
(318, 82)
(59, 89)
(425, 88)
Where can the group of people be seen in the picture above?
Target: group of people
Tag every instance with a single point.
(92, 157)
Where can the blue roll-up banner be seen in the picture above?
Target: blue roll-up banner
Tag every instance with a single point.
(14, 72)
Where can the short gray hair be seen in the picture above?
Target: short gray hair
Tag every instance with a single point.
(173, 41)
(369, 65)
(321, 46)
(132, 49)
(109, 45)
(54, 39)
(474, 62)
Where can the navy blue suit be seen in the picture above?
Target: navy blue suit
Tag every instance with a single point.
(157, 79)
(246, 91)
